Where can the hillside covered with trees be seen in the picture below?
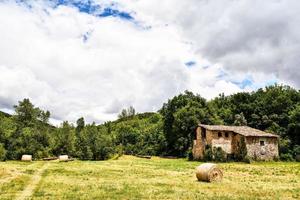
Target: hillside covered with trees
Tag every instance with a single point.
(169, 131)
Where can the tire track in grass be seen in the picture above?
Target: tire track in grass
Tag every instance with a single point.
(35, 179)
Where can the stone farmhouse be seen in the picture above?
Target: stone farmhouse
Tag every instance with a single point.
(260, 145)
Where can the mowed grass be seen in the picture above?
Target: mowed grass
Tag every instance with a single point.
(14, 176)
(136, 178)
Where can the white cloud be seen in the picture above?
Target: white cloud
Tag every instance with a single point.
(75, 64)
(248, 36)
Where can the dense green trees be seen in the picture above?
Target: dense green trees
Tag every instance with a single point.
(169, 132)
(274, 109)
(141, 134)
(180, 118)
(64, 140)
(25, 132)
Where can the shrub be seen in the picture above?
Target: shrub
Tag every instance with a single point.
(2, 152)
(286, 157)
(119, 150)
(214, 154)
(208, 154)
(297, 152)
(247, 159)
(241, 152)
(219, 155)
(189, 154)
(276, 158)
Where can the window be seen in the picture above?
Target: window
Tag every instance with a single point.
(262, 143)
(219, 134)
(226, 134)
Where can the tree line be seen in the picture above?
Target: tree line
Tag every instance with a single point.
(169, 131)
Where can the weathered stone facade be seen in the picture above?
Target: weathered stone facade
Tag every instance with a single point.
(260, 145)
(268, 151)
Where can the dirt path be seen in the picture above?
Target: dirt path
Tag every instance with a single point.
(28, 191)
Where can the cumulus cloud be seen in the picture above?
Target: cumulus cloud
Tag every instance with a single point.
(248, 36)
(88, 59)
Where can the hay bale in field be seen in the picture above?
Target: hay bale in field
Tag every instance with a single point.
(27, 158)
(209, 172)
(169, 157)
(142, 156)
(50, 158)
(63, 158)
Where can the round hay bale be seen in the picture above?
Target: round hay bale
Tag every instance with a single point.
(27, 158)
(63, 158)
(209, 172)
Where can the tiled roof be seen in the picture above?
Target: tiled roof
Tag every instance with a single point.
(242, 130)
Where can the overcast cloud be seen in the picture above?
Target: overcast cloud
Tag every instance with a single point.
(93, 58)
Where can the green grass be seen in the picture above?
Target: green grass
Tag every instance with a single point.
(137, 178)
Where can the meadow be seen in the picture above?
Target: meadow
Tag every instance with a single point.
(130, 177)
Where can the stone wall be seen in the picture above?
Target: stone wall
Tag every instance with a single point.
(198, 146)
(197, 151)
(224, 141)
(212, 138)
(256, 150)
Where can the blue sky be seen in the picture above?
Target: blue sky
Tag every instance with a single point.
(100, 56)
(90, 7)
(190, 63)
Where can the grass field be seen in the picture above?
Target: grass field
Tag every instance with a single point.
(136, 178)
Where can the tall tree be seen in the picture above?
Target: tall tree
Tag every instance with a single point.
(80, 124)
(26, 115)
(181, 115)
(125, 113)
(31, 135)
(64, 142)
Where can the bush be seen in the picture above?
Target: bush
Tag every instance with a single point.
(214, 154)
(119, 150)
(276, 158)
(219, 155)
(247, 159)
(190, 154)
(241, 150)
(2, 152)
(286, 157)
(297, 152)
(208, 154)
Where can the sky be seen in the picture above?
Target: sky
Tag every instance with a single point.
(92, 58)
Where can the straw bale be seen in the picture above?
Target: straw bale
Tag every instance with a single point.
(63, 158)
(27, 158)
(209, 172)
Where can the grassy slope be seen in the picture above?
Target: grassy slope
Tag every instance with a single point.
(135, 178)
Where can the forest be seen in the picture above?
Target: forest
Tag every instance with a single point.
(167, 132)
